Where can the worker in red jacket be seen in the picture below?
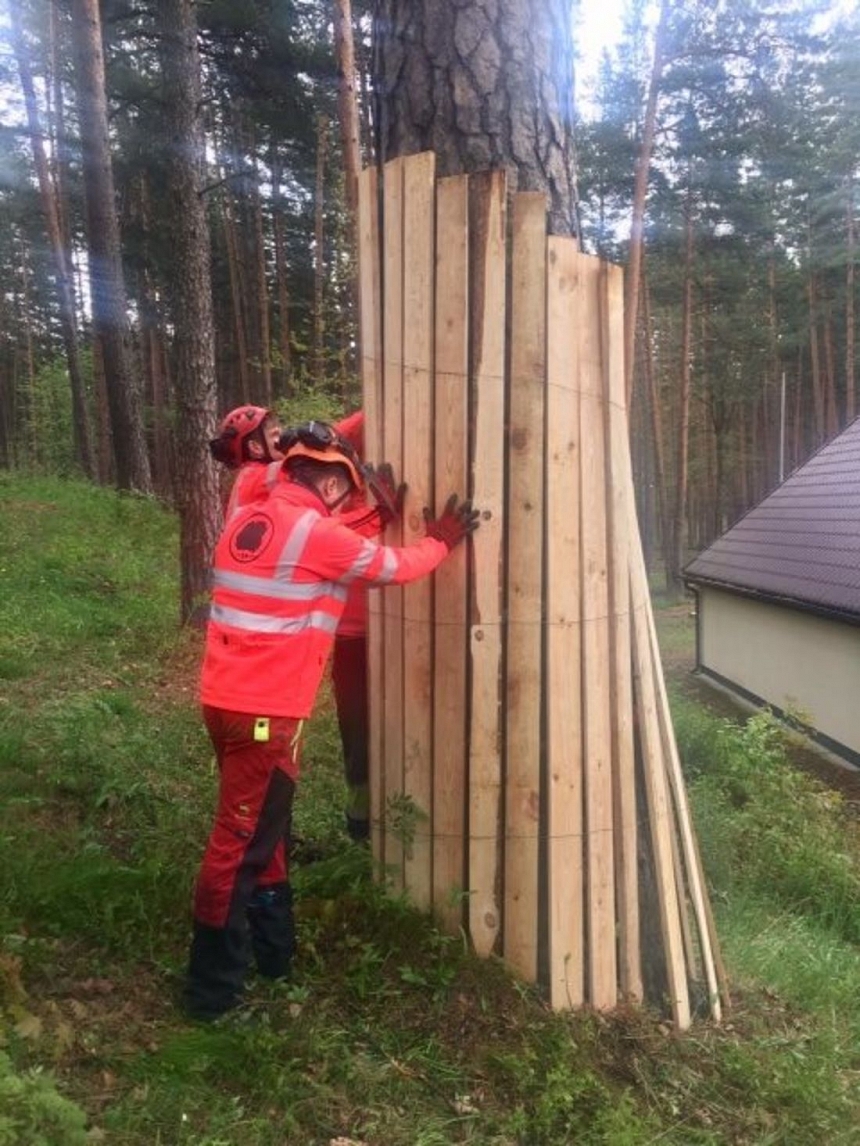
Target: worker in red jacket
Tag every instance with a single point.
(248, 442)
(281, 573)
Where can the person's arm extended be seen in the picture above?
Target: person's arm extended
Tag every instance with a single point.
(344, 556)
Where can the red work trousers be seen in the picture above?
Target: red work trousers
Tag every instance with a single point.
(242, 890)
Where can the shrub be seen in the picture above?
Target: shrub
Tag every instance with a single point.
(34, 1113)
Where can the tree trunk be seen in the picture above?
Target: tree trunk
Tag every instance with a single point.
(831, 414)
(62, 278)
(640, 189)
(262, 293)
(104, 438)
(317, 348)
(850, 390)
(347, 107)
(680, 501)
(817, 389)
(107, 287)
(484, 86)
(798, 410)
(281, 272)
(656, 422)
(238, 301)
(60, 144)
(30, 404)
(152, 352)
(196, 481)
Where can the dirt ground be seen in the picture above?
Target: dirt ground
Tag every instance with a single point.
(676, 626)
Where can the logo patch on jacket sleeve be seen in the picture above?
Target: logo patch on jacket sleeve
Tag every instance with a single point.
(251, 537)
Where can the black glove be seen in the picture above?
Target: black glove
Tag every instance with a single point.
(455, 522)
(388, 494)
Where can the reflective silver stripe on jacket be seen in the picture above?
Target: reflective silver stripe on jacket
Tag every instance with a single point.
(264, 623)
(279, 590)
(362, 563)
(389, 566)
(295, 545)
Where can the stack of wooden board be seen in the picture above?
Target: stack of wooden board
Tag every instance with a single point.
(525, 781)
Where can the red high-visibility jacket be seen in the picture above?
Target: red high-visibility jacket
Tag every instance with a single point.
(281, 573)
(253, 482)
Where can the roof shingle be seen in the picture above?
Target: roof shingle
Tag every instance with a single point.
(802, 543)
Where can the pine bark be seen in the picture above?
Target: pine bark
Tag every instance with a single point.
(62, 278)
(107, 286)
(196, 483)
(484, 85)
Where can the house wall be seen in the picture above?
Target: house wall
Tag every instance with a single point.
(792, 660)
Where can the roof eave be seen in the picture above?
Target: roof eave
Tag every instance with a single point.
(833, 613)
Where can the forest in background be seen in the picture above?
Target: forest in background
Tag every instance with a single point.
(741, 122)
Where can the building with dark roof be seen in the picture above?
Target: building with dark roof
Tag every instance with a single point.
(778, 617)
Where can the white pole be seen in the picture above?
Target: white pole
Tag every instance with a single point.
(782, 429)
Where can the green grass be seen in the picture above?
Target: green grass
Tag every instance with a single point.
(391, 1033)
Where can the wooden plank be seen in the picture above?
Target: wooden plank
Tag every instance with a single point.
(661, 767)
(715, 976)
(596, 714)
(523, 681)
(451, 587)
(372, 403)
(621, 690)
(653, 759)
(392, 444)
(565, 938)
(419, 228)
(659, 811)
(487, 401)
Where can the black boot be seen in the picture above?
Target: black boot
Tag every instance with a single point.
(273, 932)
(357, 829)
(216, 971)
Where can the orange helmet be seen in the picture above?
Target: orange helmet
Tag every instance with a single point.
(320, 442)
(229, 447)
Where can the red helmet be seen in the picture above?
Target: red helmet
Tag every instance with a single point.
(238, 425)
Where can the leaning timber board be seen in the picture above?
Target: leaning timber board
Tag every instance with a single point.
(596, 712)
(654, 773)
(565, 935)
(450, 589)
(419, 184)
(372, 402)
(621, 690)
(487, 410)
(692, 864)
(523, 676)
(392, 423)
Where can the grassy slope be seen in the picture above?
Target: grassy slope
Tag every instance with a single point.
(391, 1033)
